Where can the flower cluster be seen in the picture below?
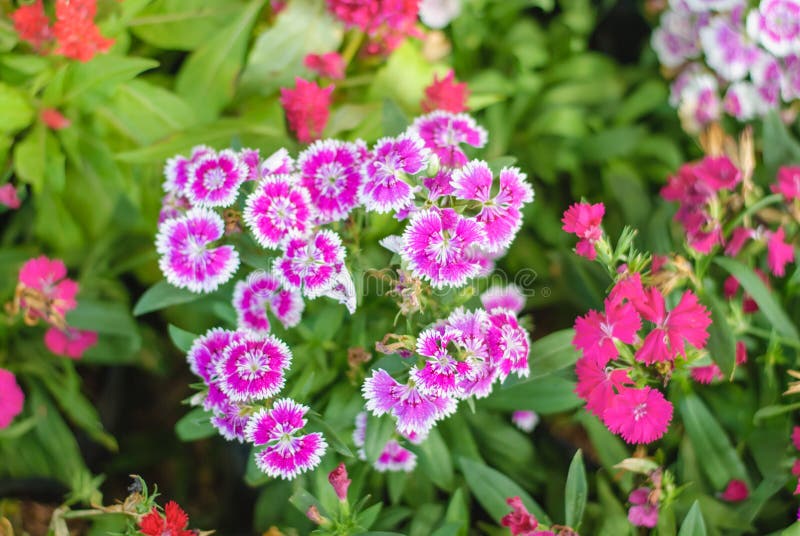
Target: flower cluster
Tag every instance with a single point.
(387, 23)
(634, 341)
(75, 34)
(44, 292)
(730, 58)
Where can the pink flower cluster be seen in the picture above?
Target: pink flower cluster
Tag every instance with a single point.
(706, 189)
(615, 351)
(520, 521)
(729, 58)
(44, 292)
(387, 23)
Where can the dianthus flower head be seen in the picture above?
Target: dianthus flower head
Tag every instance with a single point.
(252, 368)
(779, 253)
(277, 208)
(688, 321)
(525, 420)
(596, 333)
(215, 178)
(437, 245)
(639, 416)
(69, 342)
(12, 399)
(311, 263)
(508, 344)
(287, 453)
(187, 260)
(339, 481)
(776, 25)
(251, 160)
(676, 38)
(329, 65)
(706, 373)
(207, 350)
(445, 94)
(9, 197)
(519, 521)
(735, 491)
(717, 173)
(76, 34)
(278, 163)
(176, 169)
(330, 171)
(49, 278)
(392, 159)
(596, 384)
(173, 523)
(584, 220)
(395, 458)
(509, 297)
(727, 49)
(444, 132)
(642, 512)
(261, 290)
(442, 371)
(739, 237)
(788, 182)
(307, 108)
(32, 25)
(229, 418)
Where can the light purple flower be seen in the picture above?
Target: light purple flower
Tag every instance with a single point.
(790, 86)
(508, 297)
(176, 170)
(641, 512)
(767, 77)
(206, 351)
(508, 343)
(728, 52)
(277, 207)
(278, 163)
(311, 263)
(214, 179)
(330, 170)
(743, 101)
(437, 246)
(287, 453)
(675, 39)
(444, 132)
(187, 260)
(230, 420)
(525, 420)
(385, 187)
(252, 368)
(261, 290)
(394, 458)
(776, 25)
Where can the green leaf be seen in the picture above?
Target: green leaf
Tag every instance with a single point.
(492, 488)
(16, 111)
(195, 425)
(103, 317)
(303, 500)
(765, 299)
(551, 353)
(779, 146)
(208, 77)
(693, 524)
(38, 160)
(379, 431)
(576, 491)
(544, 396)
(435, 461)
(162, 295)
(721, 464)
(101, 70)
(332, 437)
(182, 339)
(721, 341)
(182, 24)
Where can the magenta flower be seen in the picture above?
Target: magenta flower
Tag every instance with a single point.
(525, 420)
(9, 197)
(253, 368)
(176, 170)
(508, 344)
(440, 184)
(230, 420)
(779, 253)
(186, 259)
(261, 290)
(287, 453)
(329, 65)
(172, 206)
(312, 263)
(330, 170)
(584, 220)
(437, 244)
(339, 481)
(739, 238)
(444, 132)
(12, 399)
(395, 458)
(776, 25)
(642, 512)
(49, 277)
(596, 333)
(278, 163)
(788, 182)
(277, 207)
(706, 373)
(70, 342)
(508, 297)
(207, 350)
(520, 522)
(442, 371)
(688, 321)
(596, 385)
(735, 491)
(214, 179)
(638, 415)
(385, 187)
(307, 108)
(251, 159)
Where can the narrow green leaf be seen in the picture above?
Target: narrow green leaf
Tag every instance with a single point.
(102, 317)
(182, 339)
(162, 295)
(195, 425)
(544, 396)
(435, 460)
(331, 436)
(379, 431)
(100, 70)
(551, 353)
(182, 24)
(576, 491)
(721, 341)
(693, 524)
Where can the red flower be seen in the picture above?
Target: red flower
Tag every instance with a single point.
(736, 491)
(307, 108)
(339, 481)
(520, 521)
(78, 37)
(32, 24)
(445, 94)
(54, 119)
(173, 524)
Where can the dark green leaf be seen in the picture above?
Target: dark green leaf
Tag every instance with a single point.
(195, 425)
(379, 431)
(331, 436)
(693, 524)
(182, 339)
(544, 395)
(435, 461)
(162, 295)
(576, 491)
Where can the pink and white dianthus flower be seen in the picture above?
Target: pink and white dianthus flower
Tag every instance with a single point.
(252, 368)
(186, 258)
(584, 220)
(343, 290)
(251, 159)
(230, 419)
(444, 132)
(207, 350)
(788, 182)
(311, 263)
(395, 458)
(330, 171)
(699, 102)
(596, 384)
(675, 40)
(278, 163)
(525, 420)
(767, 76)
(508, 297)
(743, 101)
(49, 277)
(642, 512)
(508, 344)
(439, 185)
(215, 178)
(688, 321)
(596, 333)
(278, 207)
(385, 187)
(437, 245)
(779, 253)
(260, 290)
(70, 342)
(287, 453)
(172, 206)
(639, 416)
(776, 25)
(440, 375)
(727, 51)
(176, 170)
(12, 399)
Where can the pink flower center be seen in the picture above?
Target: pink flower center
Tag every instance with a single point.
(329, 177)
(282, 213)
(639, 411)
(214, 179)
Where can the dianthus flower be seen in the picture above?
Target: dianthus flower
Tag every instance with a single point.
(596, 333)
(437, 245)
(788, 182)
(738, 239)
(688, 321)
(207, 350)
(508, 344)
(278, 207)
(186, 259)
(385, 188)
(176, 170)
(287, 454)
(444, 132)
(596, 384)
(311, 263)
(307, 108)
(9, 197)
(584, 220)
(519, 521)
(676, 38)
(330, 171)
(173, 523)
(525, 420)
(445, 94)
(76, 34)
(735, 491)
(215, 178)
(441, 372)
(638, 415)
(776, 25)
(395, 458)
(49, 278)
(779, 253)
(278, 163)
(642, 512)
(12, 398)
(329, 65)
(69, 342)
(727, 50)
(230, 419)
(706, 373)
(252, 368)
(508, 297)
(261, 290)
(54, 119)
(339, 481)
(32, 25)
